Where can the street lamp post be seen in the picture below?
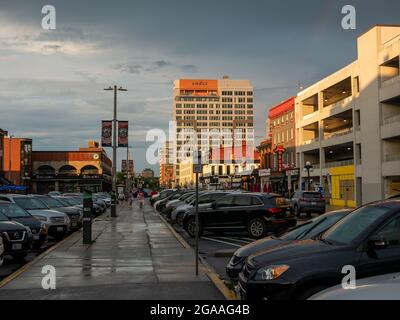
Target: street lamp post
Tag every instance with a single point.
(115, 146)
(308, 167)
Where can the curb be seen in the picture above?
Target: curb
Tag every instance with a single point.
(25, 267)
(211, 274)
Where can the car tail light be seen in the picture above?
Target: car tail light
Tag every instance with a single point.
(272, 211)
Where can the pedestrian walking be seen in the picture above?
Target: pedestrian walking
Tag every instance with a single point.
(130, 199)
(140, 197)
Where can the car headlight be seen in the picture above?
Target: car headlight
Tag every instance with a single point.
(66, 219)
(28, 230)
(41, 218)
(271, 272)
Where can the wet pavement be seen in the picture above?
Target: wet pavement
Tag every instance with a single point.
(134, 256)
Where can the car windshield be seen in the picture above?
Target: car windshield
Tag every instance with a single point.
(185, 196)
(13, 211)
(30, 203)
(313, 227)
(3, 217)
(348, 229)
(190, 199)
(51, 202)
(64, 202)
(73, 201)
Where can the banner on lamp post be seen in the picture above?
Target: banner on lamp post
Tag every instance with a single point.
(130, 166)
(106, 133)
(123, 133)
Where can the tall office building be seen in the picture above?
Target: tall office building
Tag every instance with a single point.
(209, 111)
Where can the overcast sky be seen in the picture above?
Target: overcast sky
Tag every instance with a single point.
(51, 82)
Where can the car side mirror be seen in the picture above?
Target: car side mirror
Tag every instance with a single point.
(377, 243)
(214, 205)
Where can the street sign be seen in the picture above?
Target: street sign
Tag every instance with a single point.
(197, 168)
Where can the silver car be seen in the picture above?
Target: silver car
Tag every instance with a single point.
(383, 287)
(58, 224)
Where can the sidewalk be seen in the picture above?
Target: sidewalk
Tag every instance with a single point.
(135, 256)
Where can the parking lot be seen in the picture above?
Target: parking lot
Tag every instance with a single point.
(216, 251)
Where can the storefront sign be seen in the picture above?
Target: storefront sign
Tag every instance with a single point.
(123, 133)
(106, 133)
(264, 172)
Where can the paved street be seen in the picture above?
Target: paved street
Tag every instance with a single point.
(135, 256)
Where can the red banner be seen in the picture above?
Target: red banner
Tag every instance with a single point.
(106, 133)
(123, 133)
(131, 166)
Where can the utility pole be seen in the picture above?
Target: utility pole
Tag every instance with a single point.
(114, 146)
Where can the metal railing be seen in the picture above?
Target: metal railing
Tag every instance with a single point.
(343, 163)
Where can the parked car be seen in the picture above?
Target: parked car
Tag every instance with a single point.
(160, 204)
(77, 201)
(104, 197)
(307, 202)
(54, 193)
(206, 198)
(311, 229)
(368, 238)
(57, 223)
(256, 213)
(17, 214)
(16, 238)
(162, 195)
(383, 287)
(172, 204)
(74, 214)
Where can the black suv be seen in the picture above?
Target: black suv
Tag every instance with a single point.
(367, 239)
(16, 213)
(257, 213)
(308, 230)
(16, 238)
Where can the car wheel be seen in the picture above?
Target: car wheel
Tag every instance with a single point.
(191, 227)
(19, 256)
(257, 228)
(179, 218)
(310, 291)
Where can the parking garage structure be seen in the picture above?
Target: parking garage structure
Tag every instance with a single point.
(348, 124)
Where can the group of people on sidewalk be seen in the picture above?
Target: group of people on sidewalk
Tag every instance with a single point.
(131, 195)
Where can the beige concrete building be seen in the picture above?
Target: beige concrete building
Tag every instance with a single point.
(348, 124)
(219, 106)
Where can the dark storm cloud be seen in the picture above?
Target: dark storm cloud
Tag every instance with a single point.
(147, 44)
